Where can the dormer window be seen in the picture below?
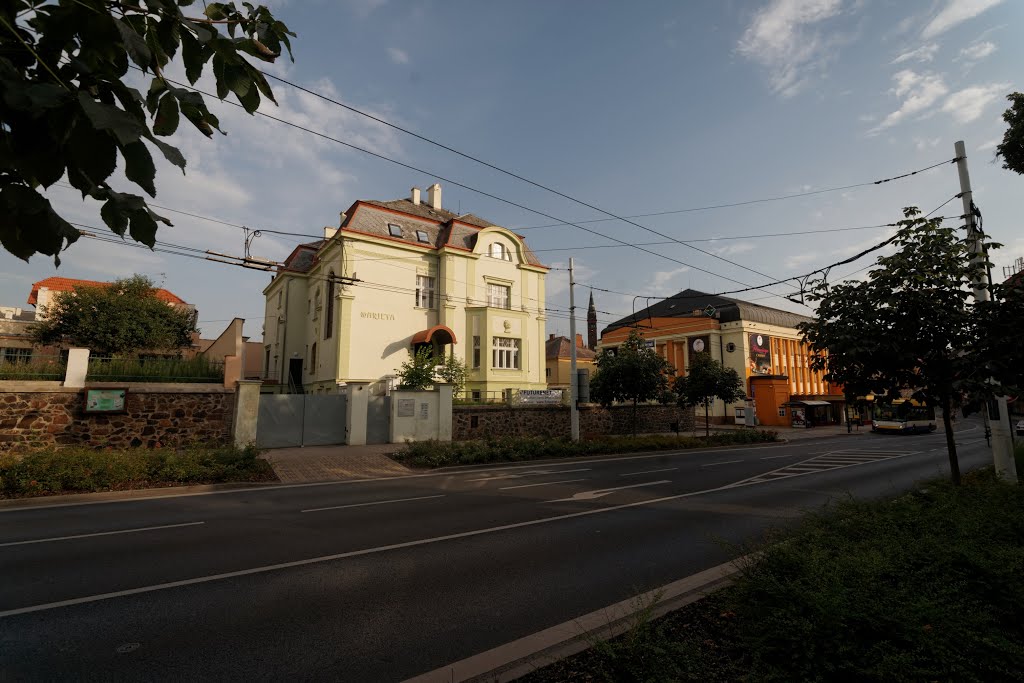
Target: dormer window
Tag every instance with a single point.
(500, 251)
(394, 230)
(421, 236)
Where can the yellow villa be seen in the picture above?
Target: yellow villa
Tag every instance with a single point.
(399, 275)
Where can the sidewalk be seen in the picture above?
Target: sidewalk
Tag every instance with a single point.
(333, 463)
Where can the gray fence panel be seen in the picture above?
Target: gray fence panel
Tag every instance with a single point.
(378, 419)
(324, 420)
(280, 420)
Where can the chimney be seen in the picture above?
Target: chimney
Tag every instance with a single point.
(330, 232)
(415, 198)
(579, 341)
(434, 196)
(550, 337)
(341, 218)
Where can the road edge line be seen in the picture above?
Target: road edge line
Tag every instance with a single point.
(517, 658)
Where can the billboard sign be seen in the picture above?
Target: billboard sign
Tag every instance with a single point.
(760, 358)
(700, 344)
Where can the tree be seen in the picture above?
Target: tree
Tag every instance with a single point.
(417, 373)
(632, 373)
(909, 328)
(121, 318)
(707, 379)
(455, 372)
(66, 110)
(1012, 147)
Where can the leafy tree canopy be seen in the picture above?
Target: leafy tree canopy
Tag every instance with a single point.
(633, 373)
(705, 380)
(66, 110)
(1012, 147)
(910, 328)
(121, 318)
(423, 369)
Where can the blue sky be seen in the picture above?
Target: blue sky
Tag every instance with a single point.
(633, 107)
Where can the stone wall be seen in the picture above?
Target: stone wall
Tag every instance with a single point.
(36, 415)
(477, 422)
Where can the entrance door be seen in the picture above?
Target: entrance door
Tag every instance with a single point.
(287, 420)
(295, 375)
(378, 418)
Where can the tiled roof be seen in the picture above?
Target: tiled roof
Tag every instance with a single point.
(685, 303)
(561, 347)
(443, 227)
(66, 284)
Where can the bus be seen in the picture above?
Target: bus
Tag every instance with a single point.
(903, 416)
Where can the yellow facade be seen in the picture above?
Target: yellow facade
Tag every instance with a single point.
(485, 289)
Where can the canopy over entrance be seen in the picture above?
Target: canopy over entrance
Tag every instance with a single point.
(439, 334)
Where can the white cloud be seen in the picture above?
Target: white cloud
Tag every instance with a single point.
(782, 38)
(978, 50)
(735, 248)
(799, 259)
(664, 277)
(925, 53)
(920, 91)
(969, 104)
(956, 12)
(991, 144)
(398, 56)
(922, 144)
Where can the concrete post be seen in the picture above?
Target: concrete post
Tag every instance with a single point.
(444, 412)
(247, 410)
(78, 367)
(355, 412)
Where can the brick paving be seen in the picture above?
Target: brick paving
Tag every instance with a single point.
(334, 463)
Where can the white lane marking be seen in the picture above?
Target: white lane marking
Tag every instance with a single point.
(542, 483)
(726, 462)
(633, 474)
(375, 502)
(787, 455)
(373, 480)
(100, 533)
(536, 473)
(601, 493)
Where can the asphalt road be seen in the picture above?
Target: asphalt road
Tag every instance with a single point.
(382, 580)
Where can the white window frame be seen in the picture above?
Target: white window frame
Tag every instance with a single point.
(499, 296)
(505, 353)
(500, 250)
(426, 286)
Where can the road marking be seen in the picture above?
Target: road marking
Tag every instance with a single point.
(726, 462)
(601, 493)
(375, 502)
(633, 474)
(100, 533)
(833, 460)
(787, 455)
(542, 483)
(536, 473)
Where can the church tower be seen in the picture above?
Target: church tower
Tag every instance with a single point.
(592, 324)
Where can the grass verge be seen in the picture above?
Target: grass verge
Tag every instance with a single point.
(925, 587)
(80, 470)
(514, 449)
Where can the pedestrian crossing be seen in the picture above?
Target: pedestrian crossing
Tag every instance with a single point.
(831, 460)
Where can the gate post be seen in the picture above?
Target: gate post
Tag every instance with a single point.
(247, 410)
(444, 412)
(358, 395)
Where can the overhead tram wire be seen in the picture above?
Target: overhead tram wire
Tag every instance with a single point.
(466, 187)
(612, 216)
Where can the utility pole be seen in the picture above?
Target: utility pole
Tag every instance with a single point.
(997, 415)
(574, 410)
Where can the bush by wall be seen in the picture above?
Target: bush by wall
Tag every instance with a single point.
(514, 449)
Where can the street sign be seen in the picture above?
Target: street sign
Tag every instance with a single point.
(709, 311)
(648, 343)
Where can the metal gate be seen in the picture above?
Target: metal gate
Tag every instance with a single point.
(378, 418)
(287, 420)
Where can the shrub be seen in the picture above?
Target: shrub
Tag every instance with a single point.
(75, 470)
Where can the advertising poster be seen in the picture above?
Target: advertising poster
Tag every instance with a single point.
(760, 360)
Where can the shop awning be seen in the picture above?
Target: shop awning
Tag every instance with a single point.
(807, 403)
(438, 333)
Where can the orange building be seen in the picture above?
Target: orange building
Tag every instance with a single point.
(761, 343)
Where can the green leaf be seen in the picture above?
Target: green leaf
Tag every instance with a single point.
(215, 11)
(114, 217)
(250, 100)
(261, 83)
(171, 153)
(219, 75)
(192, 56)
(123, 125)
(166, 121)
(143, 227)
(29, 225)
(156, 88)
(139, 166)
(135, 45)
(92, 153)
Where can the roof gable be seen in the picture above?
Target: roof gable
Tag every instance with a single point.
(67, 284)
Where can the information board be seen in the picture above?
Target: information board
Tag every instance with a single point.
(105, 400)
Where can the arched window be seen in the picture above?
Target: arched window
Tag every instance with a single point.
(329, 321)
(312, 360)
(500, 251)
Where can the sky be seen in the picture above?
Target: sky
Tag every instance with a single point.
(634, 108)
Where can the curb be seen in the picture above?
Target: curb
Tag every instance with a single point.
(520, 657)
(129, 494)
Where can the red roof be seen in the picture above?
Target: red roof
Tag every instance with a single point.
(67, 284)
